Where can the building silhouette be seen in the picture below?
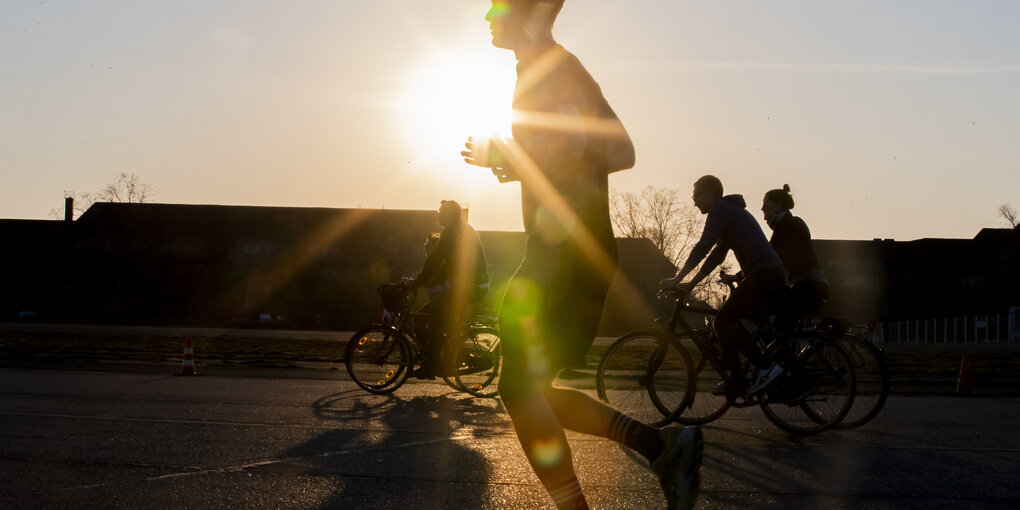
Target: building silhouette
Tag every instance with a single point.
(211, 265)
(318, 268)
(886, 280)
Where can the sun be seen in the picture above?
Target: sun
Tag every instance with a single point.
(454, 95)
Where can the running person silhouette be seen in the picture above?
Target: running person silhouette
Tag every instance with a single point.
(566, 142)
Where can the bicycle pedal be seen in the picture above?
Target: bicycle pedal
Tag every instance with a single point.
(744, 401)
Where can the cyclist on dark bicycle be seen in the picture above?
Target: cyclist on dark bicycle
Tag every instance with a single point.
(792, 241)
(456, 275)
(729, 226)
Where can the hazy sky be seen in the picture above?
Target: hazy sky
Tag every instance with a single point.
(888, 119)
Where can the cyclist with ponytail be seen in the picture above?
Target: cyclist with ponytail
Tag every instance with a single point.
(791, 239)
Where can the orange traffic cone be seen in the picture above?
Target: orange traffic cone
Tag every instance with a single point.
(188, 364)
(965, 384)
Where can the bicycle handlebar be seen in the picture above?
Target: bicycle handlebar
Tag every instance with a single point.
(681, 294)
(672, 292)
(730, 280)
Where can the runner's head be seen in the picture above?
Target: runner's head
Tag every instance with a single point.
(515, 24)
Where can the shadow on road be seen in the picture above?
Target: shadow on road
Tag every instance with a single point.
(390, 452)
(855, 469)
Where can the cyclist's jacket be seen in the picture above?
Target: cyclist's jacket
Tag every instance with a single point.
(729, 226)
(458, 259)
(792, 241)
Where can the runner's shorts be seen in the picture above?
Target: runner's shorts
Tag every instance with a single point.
(553, 304)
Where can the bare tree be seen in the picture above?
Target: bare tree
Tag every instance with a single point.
(660, 215)
(673, 224)
(1009, 214)
(126, 188)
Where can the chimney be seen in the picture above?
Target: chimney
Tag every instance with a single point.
(68, 208)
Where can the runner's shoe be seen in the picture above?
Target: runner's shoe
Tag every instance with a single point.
(677, 466)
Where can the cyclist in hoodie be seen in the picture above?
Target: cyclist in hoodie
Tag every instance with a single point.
(730, 226)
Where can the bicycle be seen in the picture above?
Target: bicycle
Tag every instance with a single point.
(870, 369)
(380, 357)
(814, 392)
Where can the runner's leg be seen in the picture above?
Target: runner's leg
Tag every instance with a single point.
(538, 427)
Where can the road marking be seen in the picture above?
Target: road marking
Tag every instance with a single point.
(239, 424)
(288, 460)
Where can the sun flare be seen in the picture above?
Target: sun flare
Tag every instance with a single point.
(453, 96)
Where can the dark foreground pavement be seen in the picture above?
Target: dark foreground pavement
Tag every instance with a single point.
(82, 439)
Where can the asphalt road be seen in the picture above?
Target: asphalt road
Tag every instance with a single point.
(81, 439)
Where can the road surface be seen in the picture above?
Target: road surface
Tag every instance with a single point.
(83, 439)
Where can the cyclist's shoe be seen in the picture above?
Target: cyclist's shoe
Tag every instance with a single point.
(475, 363)
(677, 466)
(763, 378)
(423, 374)
(731, 390)
(447, 372)
(443, 369)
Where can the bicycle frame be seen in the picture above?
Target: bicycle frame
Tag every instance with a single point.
(813, 392)
(402, 323)
(705, 345)
(474, 362)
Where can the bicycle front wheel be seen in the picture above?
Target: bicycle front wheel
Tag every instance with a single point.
(872, 380)
(378, 359)
(815, 390)
(706, 406)
(647, 376)
(698, 358)
(477, 362)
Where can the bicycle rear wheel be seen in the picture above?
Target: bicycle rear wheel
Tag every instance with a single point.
(816, 388)
(378, 359)
(646, 376)
(477, 363)
(872, 375)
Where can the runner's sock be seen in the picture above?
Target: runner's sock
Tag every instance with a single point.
(636, 435)
(568, 496)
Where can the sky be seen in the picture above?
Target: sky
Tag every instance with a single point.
(887, 119)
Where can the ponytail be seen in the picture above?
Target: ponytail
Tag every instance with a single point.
(781, 197)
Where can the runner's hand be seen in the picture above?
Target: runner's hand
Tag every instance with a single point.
(484, 152)
(488, 153)
(504, 174)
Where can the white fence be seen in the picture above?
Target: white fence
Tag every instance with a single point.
(973, 329)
